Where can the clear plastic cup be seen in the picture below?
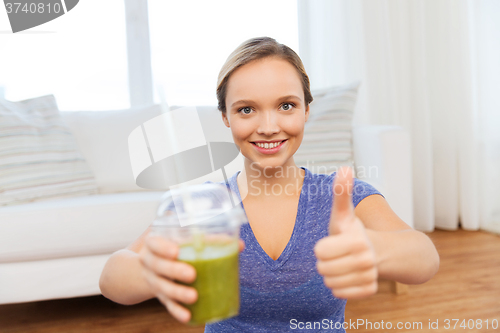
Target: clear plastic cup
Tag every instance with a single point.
(205, 220)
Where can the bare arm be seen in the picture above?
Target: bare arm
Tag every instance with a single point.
(149, 268)
(403, 254)
(122, 279)
(368, 242)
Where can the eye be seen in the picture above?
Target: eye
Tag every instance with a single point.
(287, 106)
(245, 110)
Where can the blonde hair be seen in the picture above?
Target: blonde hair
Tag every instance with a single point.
(254, 49)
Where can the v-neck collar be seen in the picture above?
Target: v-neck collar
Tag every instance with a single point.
(299, 222)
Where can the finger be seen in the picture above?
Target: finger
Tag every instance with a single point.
(350, 280)
(170, 289)
(176, 291)
(342, 207)
(176, 310)
(346, 264)
(175, 270)
(162, 247)
(356, 292)
(241, 245)
(332, 247)
(336, 246)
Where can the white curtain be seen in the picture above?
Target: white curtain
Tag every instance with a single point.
(431, 67)
(486, 59)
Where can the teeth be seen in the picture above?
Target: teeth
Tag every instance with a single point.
(268, 145)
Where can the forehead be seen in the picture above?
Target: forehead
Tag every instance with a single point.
(264, 78)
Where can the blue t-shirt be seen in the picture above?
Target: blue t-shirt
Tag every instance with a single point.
(288, 294)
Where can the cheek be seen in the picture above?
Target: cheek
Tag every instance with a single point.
(241, 130)
(294, 126)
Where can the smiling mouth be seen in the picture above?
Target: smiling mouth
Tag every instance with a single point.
(268, 145)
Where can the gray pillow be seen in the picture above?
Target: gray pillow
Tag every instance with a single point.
(39, 156)
(327, 142)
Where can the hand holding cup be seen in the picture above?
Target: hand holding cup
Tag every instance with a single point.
(167, 276)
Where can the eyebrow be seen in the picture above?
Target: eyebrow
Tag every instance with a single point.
(249, 101)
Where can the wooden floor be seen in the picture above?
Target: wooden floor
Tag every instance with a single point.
(466, 287)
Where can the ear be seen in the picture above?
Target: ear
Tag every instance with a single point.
(225, 119)
(307, 112)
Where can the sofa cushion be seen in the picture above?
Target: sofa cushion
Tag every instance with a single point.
(96, 224)
(103, 140)
(39, 158)
(327, 142)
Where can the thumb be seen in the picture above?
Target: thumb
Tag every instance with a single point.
(342, 207)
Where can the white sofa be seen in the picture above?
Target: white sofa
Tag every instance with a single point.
(57, 249)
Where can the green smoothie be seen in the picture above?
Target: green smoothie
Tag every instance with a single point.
(217, 281)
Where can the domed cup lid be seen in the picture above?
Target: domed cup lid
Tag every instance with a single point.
(208, 204)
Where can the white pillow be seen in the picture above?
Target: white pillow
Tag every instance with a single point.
(103, 140)
(327, 142)
(39, 157)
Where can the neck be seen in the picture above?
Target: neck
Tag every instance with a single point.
(257, 182)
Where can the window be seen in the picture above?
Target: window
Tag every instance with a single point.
(190, 40)
(79, 57)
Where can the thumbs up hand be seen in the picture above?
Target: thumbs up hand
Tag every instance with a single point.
(346, 258)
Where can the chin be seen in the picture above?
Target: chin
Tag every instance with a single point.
(267, 164)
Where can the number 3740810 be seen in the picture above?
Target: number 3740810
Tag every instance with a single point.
(471, 324)
(32, 8)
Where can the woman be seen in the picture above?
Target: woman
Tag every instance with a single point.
(312, 241)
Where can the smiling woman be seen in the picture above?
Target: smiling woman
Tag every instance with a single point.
(265, 116)
(312, 241)
(267, 90)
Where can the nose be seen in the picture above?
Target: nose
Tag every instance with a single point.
(268, 123)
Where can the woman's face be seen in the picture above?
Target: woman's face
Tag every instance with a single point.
(265, 104)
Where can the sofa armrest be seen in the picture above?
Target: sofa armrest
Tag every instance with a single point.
(382, 158)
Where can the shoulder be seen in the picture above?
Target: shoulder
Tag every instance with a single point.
(361, 189)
